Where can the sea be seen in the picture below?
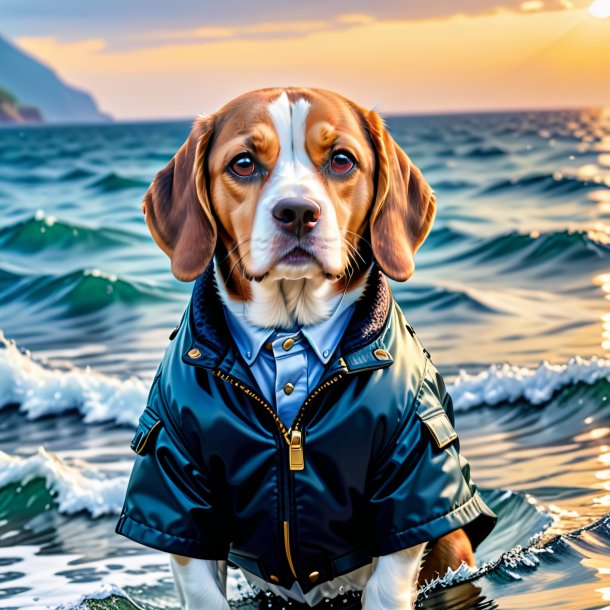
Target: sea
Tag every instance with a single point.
(510, 296)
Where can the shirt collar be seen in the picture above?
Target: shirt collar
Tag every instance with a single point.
(323, 337)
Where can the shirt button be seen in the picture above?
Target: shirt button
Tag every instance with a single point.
(325, 353)
(248, 355)
(287, 345)
(288, 389)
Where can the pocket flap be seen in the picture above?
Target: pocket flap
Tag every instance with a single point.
(148, 426)
(431, 411)
(441, 429)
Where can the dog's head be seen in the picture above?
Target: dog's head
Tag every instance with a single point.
(287, 184)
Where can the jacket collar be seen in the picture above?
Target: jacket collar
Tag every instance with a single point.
(361, 347)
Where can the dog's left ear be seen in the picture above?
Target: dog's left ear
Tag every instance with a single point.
(404, 206)
(177, 207)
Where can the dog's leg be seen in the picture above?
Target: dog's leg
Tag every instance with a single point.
(393, 583)
(201, 583)
(450, 551)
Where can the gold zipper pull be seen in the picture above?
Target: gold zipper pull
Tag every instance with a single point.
(297, 455)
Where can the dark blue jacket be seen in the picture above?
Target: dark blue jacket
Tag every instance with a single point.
(371, 464)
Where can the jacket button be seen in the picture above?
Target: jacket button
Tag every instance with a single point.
(194, 353)
(381, 354)
(287, 345)
(273, 578)
(314, 576)
(288, 389)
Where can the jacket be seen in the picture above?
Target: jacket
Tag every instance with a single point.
(371, 464)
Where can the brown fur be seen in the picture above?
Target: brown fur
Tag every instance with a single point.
(404, 208)
(450, 551)
(177, 209)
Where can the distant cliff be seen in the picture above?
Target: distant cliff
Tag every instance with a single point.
(38, 87)
(11, 111)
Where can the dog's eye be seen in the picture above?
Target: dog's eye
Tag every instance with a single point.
(341, 162)
(243, 165)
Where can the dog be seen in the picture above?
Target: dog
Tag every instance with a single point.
(292, 206)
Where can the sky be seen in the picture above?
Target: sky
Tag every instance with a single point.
(180, 58)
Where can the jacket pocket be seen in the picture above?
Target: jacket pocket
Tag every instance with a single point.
(148, 427)
(441, 429)
(431, 412)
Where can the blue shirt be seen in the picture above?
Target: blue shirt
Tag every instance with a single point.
(287, 364)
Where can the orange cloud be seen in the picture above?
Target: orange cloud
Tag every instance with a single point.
(503, 60)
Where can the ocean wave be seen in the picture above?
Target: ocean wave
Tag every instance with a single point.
(73, 489)
(115, 182)
(453, 185)
(78, 292)
(46, 478)
(42, 391)
(45, 232)
(513, 565)
(444, 235)
(442, 298)
(102, 592)
(507, 383)
(539, 248)
(541, 184)
(522, 560)
(78, 173)
(485, 152)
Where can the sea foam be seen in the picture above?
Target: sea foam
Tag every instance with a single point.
(42, 391)
(74, 489)
(509, 383)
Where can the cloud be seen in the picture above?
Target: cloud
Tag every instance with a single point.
(129, 23)
(267, 29)
(507, 59)
(532, 5)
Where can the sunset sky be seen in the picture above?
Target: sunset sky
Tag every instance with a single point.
(159, 59)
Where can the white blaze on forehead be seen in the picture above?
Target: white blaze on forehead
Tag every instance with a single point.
(294, 175)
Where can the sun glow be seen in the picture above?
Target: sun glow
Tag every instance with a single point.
(600, 9)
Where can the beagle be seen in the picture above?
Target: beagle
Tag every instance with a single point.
(296, 194)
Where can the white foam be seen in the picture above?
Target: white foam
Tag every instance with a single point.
(40, 390)
(44, 391)
(73, 488)
(508, 383)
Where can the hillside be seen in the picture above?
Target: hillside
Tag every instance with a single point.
(36, 85)
(11, 111)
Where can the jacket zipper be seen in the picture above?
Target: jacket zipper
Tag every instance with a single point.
(287, 548)
(294, 438)
(249, 392)
(296, 460)
(297, 440)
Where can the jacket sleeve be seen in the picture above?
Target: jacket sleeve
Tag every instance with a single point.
(420, 487)
(168, 504)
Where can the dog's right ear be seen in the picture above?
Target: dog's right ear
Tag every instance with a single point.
(177, 209)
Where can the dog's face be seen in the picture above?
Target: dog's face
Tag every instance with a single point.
(286, 184)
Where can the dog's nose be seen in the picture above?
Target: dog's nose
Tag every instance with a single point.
(296, 214)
